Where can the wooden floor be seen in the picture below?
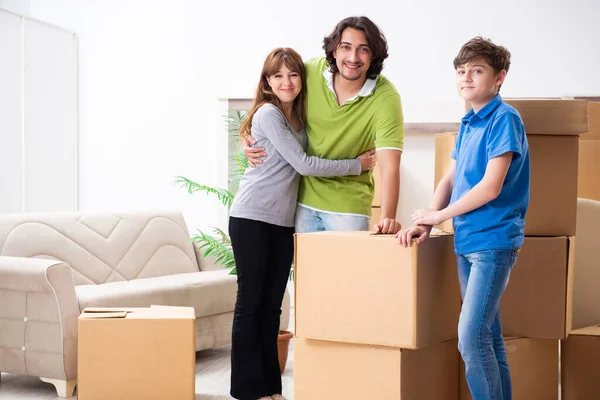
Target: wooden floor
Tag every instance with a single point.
(212, 376)
(212, 379)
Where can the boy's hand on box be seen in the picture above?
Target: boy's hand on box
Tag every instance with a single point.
(427, 216)
(420, 233)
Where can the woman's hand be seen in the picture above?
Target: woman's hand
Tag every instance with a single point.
(368, 159)
(253, 154)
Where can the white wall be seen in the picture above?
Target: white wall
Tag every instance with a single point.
(151, 73)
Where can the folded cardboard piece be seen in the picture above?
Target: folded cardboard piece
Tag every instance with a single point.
(136, 353)
(329, 370)
(367, 289)
(580, 375)
(533, 367)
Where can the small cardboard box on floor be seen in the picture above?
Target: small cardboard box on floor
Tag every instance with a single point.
(580, 375)
(136, 353)
(361, 288)
(326, 370)
(553, 128)
(533, 367)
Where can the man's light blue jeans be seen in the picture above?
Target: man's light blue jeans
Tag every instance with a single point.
(309, 220)
(483, 276)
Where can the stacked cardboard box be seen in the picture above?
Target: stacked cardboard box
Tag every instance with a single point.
(580, 375)
(375, 319)
(588, 184)
(533, 366)
(538, 301)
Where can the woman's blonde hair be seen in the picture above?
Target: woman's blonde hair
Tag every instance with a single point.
(264, 93)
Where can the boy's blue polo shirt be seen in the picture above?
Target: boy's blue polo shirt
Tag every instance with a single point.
(496, 129)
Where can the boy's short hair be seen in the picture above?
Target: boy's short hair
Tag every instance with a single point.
(497, 56)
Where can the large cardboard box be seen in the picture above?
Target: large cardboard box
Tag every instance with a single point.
(586, 280)
(533, 367)
(550, 116)
(538, 301)
(329, 370)
(580, 375)
(444, 145)
(553, 185)
(361, 288)
(593, 112)
(136, 353)
(588, 182)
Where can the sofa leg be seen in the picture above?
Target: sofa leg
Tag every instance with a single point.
(63, 388)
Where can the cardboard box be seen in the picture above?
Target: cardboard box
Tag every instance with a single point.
(586, 291)
(136, 353)
(580, 375)
(553, 185)
(361, 288)
(444, 145)
(377, 181)
(588, 182)
(375, 215)
(593, 112)
(538, 301)
(330, 370)
(550, 116)
(533, 367)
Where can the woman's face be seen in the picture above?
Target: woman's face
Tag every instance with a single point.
(286, 84)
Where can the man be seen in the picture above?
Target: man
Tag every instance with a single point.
(351, 108)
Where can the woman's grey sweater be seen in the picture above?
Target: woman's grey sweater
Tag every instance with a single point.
(269, 191)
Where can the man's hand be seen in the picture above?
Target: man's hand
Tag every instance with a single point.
(427, 216)
(387, 225)
(420, 233)
(253, 154)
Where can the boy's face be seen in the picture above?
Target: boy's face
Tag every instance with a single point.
(477, 82)
(353, 55)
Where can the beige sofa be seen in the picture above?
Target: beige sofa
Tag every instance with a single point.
(52, 266)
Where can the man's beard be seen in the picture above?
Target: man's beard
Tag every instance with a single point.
(353, 78)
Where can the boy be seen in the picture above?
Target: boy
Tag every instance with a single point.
(486, 192)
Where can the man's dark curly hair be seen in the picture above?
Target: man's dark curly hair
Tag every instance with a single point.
(375, 39)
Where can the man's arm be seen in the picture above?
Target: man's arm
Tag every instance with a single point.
(389, 167)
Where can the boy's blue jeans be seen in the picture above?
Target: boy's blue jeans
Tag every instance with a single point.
(483, 276)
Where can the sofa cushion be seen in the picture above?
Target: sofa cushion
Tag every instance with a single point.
(209, 292)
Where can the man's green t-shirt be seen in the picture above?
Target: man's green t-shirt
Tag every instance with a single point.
(342, 132)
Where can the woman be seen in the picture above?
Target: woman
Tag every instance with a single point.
(261, 225)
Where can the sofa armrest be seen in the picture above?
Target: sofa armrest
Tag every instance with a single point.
(39, 312)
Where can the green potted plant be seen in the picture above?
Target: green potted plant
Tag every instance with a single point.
(218, 244)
